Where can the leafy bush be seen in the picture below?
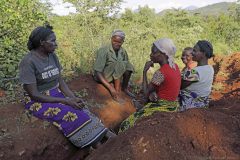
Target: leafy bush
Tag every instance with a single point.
(79, 35)
(17, 17)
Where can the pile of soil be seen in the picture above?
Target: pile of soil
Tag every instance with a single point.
(194, 134)
(23, 136)
(212, 133)
(227, 77)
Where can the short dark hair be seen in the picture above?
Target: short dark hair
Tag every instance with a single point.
(37, 35)
(205, 47)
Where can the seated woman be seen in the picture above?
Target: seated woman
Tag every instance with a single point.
(49, 98)
(187, 59)
(165, 83)
(112, 67)
(197, 83)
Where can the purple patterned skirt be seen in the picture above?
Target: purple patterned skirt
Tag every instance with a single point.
(80, 126)
(189, 99)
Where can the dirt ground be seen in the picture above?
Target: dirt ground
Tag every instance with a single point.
(212, 133)
(25, 137)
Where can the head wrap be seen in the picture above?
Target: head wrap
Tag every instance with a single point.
(119, 33)
(205, 47)
(37, 35)
(166, 45)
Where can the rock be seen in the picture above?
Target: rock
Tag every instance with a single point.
(21, 152)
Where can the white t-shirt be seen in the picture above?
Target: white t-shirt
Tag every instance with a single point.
(204, 85)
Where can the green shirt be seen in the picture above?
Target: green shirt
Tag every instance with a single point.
(110, 65)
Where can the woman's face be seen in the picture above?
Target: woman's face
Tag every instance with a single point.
(197, 54)
(117, 42)
(187, 56)
(50, 43)
(156, 56)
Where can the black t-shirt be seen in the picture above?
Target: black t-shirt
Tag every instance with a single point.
(42, 71)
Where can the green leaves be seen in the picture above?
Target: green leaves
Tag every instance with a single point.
(17, 19)
(99, 8)
(79, 35)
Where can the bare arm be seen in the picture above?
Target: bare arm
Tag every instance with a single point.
(185, 84)
(31, 89)
(147, 88)
(65, 89)
(189, 78)
(101, 78)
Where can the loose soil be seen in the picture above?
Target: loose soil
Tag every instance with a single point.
(212, 133)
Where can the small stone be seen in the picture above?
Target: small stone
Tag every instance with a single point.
(154, 123)
(1, 155)
(21, 152)
(144, 150)
(140, 140)
(66, 147)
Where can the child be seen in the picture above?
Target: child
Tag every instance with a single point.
(187, 59)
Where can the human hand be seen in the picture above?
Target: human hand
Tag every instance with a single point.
(80, 101)
(153, 97)
(74, 102)
(148, 64)
(114, 93)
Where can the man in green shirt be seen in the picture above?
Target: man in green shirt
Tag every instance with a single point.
(112, 66)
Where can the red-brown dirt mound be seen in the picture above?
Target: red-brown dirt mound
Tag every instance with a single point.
(194, 134)
(111, 112)
(25, 137)
(227, 77)
(212, 133)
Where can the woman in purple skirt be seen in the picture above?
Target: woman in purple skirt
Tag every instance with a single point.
(48, 97)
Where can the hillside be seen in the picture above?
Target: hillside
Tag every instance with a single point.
(213, 9)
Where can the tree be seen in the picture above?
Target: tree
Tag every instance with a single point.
(235, 11)
(102, 8)
(17, 18)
